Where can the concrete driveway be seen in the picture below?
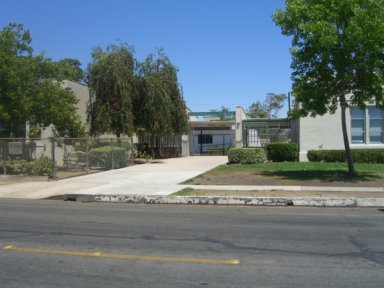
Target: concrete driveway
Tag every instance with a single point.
(158, 178)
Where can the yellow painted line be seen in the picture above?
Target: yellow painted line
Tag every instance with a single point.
(122, 256)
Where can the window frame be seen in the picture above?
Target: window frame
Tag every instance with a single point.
(363, 119)
(366, 119)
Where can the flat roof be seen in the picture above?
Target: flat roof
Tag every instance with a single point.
(266, 120)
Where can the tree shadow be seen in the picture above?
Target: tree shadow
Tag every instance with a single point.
(326, 176)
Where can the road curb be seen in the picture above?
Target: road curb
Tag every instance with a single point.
(244, 201)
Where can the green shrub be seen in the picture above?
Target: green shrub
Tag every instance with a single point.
(39, 167)
(358, 155)
(368, 155)
(108, 157)
(280, 152)
(246, 155)
(17, 167)
(326, 155)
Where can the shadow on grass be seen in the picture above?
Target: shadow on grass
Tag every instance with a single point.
(326, 176)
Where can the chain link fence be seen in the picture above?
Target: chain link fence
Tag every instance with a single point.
(64, 156)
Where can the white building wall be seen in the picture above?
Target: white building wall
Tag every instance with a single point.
(321, 132)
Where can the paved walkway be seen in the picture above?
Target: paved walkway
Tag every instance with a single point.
(158, 178)
(154, 181)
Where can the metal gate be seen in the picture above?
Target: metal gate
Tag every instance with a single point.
(210, 143)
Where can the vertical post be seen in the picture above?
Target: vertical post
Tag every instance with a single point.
(223, 144)
(113, 158)
(87, 155)
(53, 156)
(289, 102)
(201, 142)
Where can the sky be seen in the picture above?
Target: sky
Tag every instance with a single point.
(228, 52)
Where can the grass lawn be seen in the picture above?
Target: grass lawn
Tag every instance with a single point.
(292, 173)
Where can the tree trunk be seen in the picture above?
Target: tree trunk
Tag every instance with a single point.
(118, 136)
(351, 167)
(153, 139)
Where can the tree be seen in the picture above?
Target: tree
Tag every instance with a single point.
(274, 103)
(71, 69)
(269, 108)
(258, 110)
(111, 80)
(223, 113)
(30, 88)
(160, 106)
(337, 51)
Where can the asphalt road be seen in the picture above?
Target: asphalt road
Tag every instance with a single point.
(69, 244)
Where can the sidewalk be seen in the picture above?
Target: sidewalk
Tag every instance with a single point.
(154, 182)
(159, 177)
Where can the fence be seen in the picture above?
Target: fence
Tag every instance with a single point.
(212, 142)
(53, 156)
(159, 146)
(261, 134)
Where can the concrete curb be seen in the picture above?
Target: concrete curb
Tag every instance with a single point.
(245, 201)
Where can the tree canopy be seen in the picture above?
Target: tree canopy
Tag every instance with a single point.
(160, 106)
(111, 81)
(270, 107)
(30, 88)
(337, 51)
(223, 113)
(128, 96)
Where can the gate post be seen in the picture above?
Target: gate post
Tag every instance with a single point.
(53, 158)
(201, 142)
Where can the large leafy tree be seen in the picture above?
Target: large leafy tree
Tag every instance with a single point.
(338, 55)
(111, 79)
(30, 88)
(160, 107)
(71, 69)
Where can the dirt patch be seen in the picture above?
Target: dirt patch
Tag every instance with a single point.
(260, 178)
(286, 194)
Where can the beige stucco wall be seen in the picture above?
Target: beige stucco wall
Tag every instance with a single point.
(82, 93)
(324, 132)
(240, 116)
(321, 132)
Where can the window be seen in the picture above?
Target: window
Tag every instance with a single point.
(370, 120)
(357, 125)
(205, 139)
(376, 127)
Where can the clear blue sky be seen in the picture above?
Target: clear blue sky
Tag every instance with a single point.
(229, 52)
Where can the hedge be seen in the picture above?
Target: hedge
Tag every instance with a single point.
(280, 152)
(39, 167)
(246, 155)
(358, 155)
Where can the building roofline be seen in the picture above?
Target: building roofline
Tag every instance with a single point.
(269, 120)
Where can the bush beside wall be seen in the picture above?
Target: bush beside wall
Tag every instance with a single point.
(246, 155)
(280, 152)
(358, 155)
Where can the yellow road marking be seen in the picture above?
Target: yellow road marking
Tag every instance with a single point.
(122, 256)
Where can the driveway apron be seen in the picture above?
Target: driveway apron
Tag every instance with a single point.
(156, 178)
